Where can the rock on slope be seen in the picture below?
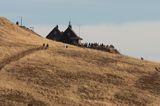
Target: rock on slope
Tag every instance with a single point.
(72, 76)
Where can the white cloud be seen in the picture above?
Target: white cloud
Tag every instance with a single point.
(136, 39)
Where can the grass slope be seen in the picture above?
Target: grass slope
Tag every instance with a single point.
(72, 76)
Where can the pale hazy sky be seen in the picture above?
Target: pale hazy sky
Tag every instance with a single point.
(133, 26)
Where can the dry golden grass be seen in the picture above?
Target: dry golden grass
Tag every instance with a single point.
(73, 76)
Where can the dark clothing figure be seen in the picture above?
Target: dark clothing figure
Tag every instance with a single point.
(47, 46)
(142, 58)
(43, 45)
(17, 23)
(66, 46)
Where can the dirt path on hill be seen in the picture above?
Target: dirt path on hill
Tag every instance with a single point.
(18, 56)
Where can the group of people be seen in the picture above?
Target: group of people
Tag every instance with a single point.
(107, 48)
(45, 46)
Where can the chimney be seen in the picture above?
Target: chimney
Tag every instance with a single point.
(70, 26)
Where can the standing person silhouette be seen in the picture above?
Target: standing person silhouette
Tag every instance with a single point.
(142, 58)
(47, 46)
(43, 46)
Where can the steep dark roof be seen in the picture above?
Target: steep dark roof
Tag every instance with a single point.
(68, 36)
(55, 34)
(71, 34)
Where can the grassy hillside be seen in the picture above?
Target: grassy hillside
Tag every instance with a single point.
(59, 76)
